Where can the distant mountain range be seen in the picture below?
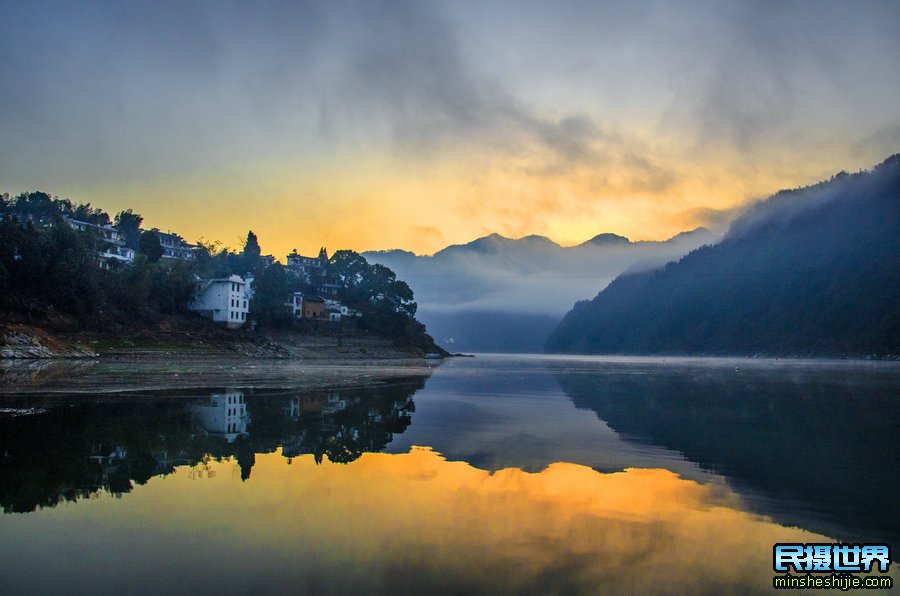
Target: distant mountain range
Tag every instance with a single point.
(812, 271)
(507, 295)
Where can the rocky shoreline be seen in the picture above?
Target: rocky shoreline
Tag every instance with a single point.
(28, 342)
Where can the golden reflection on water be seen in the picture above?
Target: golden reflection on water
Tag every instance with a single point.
(411, 522)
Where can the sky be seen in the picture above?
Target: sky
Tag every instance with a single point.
(417, 124)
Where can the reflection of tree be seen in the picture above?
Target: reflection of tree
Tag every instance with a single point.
(819, 440)
(72, 452)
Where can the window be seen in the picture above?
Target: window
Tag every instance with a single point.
(245, 304)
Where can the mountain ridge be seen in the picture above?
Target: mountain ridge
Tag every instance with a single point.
(813, 271)
(503, 294)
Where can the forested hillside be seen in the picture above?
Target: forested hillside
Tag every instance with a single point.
(811, 271)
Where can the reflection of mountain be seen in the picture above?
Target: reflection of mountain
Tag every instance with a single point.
(67, 453)
(808, 449)
(501, 294)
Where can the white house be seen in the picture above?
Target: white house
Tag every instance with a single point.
(175, 247)
(224, 415)
(341, 310)
(312, 270)
(296, 304)
(223, 300)
(122, 254)
(309, 267)
(113, 245)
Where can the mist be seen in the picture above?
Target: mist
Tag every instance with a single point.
(502, 294)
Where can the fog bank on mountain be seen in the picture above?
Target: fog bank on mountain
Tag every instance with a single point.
(506, 295)
(813, 271)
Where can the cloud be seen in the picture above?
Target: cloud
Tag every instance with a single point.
(521, 118)
(714, 219)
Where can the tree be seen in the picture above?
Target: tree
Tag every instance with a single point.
(351, 268)
(172, 288)
(251, 253)
(129, 225)
(271, 292)
(386, 303)
(150, 246)
(84, 212)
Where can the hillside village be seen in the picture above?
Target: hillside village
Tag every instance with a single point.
(226, 300)
(131, 274)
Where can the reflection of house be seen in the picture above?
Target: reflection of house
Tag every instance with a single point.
(224, 415)
(112, 247)
(334, 403)
(111, 460)
(293, 409)
(223, 300)
(174, 246)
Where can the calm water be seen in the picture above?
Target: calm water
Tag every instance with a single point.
(488, 475)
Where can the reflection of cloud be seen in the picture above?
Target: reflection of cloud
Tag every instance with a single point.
(416, 523)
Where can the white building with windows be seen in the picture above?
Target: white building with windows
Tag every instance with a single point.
(121, 254)
(224, 300)
(112, 247)
(175, 247)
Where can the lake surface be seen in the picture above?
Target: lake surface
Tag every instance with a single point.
(495, 474)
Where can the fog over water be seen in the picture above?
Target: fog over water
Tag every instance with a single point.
(529, 474)
(502, 294)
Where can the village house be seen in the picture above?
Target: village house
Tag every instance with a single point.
(340, 310)
(121, 254)
(312, 271)
(249, 285)
(175, 247)
(308, 307)
(318, 308)
(306, 267)
(223, 300)
(113, 249)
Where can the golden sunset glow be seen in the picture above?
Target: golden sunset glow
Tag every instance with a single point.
(419, 125)
(384, 519)
(376, 205)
